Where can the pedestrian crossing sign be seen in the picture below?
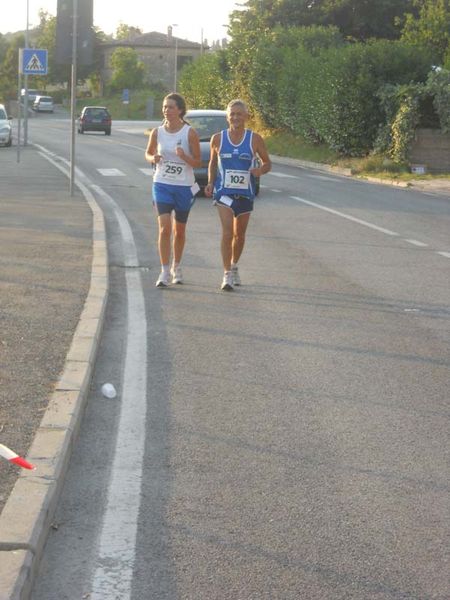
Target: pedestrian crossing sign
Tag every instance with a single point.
(34, 61)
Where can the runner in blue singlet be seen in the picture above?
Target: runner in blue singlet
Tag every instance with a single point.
(231, 182)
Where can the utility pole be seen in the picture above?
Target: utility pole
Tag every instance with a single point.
(73, 103)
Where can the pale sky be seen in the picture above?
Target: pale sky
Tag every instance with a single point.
(191, 17)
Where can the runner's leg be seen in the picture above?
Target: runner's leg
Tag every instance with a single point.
(240, 224)
(179, 239)
(226, 218)
(165, 230)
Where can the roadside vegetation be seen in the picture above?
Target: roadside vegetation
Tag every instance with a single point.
(135, 110)
(342, 82)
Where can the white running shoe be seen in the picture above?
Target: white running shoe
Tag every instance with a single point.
(163, 279)
(177, 275)
(227, 282)
(235, 275)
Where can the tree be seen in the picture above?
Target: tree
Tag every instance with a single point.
(128, 70)
(45, 36)
(364, 19)
(356, 19)
(3, 47)
(430, 29)
(8, 72)
(205, 82)
(125, 32)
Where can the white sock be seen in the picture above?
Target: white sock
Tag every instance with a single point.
(165, 269)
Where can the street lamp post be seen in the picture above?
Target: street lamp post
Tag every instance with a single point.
(175, 65)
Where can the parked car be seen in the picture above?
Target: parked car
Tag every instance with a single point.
(94, 118)
(207, 123)
(32, 95)
(5, 127)
(43, 104)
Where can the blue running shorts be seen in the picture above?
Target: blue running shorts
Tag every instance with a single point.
(178, 198)
(240, 205)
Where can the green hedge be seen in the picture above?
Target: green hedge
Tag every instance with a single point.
(312, 82)
(331, 95)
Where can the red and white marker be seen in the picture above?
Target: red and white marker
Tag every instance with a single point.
(12, 457)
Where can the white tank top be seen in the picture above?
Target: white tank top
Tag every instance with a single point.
(172, 169)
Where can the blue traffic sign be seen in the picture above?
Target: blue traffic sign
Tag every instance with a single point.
(34, 61)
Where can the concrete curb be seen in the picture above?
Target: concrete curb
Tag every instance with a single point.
(27, 515)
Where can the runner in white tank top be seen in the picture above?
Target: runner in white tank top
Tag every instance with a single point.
(171, 168)
(174, 150)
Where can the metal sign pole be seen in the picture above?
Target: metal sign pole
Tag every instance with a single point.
(25, 85)
(74, 95)
(19, 119)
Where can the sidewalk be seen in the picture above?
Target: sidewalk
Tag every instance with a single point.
(53, 283)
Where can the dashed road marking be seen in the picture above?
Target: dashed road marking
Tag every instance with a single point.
(282, 175)
(111, 172)
(345, 216)
(417, 243)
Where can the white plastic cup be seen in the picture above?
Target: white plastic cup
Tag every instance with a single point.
(108, 390)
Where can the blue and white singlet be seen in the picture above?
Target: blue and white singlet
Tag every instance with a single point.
(234, 161)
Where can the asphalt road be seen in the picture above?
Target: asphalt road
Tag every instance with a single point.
(284, 441)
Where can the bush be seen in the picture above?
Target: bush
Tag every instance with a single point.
(352, 78)
(329, 92)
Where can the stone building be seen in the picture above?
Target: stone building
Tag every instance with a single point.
(158, 51)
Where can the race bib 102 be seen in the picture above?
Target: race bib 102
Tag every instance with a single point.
(237, 180)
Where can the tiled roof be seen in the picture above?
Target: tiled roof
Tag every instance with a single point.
(153, 39)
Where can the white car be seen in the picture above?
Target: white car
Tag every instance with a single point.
(5, 128)
(43, 104)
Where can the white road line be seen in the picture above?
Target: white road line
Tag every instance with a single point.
(129, 247)
(113, 576)
(276, 191)
(111, 172)
(282, 175)
(446, 254)
(132, 130)
(148, 172)
(416, 243)
(345, 216)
